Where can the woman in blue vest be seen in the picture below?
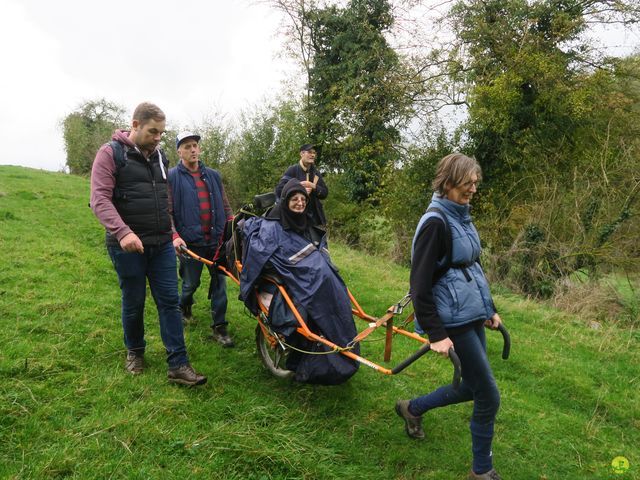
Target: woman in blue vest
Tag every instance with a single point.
(452, 304)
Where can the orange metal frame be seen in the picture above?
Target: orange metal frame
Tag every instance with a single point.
(374, 323)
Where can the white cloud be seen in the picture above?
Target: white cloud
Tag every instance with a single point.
(30, 90)
(193, 58)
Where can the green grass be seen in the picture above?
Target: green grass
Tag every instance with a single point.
(570, 401)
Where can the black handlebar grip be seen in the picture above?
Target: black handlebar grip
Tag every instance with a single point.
(506, 348)
(457, 369)
(409, 360)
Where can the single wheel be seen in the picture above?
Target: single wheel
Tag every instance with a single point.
(272, 355)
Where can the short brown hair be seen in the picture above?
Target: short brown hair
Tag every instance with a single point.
(148, 111)
(454, 170)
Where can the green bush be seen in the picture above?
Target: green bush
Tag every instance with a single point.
(361, 225)
(88, 127)
(406, 191)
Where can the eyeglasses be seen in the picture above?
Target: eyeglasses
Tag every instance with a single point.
(470, 183)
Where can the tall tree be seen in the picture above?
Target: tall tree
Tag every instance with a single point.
(357, 99)
(524, 64)
(266, 144)
(544, 112)
(86, 128)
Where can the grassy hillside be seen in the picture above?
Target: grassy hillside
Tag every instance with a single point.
(570, 401)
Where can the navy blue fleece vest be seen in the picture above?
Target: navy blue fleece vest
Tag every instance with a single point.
(186, 206)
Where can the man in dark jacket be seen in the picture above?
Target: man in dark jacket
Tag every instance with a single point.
(311, 179)
(200, 211)
(130, 197)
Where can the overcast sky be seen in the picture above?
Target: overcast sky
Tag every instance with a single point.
(194, 58)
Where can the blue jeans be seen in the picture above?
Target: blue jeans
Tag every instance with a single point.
(478, 385)
(158, 265)
(191, 271)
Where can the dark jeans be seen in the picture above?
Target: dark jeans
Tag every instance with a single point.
(158, 265)
(191, 271)
(478, 385)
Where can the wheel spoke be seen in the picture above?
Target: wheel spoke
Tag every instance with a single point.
(272, 354)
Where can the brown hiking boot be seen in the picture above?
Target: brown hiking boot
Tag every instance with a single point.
(221, 336)
(134, 363)
(186, 375)
(412, 424)
(490, 475)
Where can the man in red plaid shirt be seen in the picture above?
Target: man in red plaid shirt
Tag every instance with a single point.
(200, 211)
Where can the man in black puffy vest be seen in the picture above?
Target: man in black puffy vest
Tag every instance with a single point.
(130, 197)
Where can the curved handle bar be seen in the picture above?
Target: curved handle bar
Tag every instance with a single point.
(457, 369)
(424, 349)
(412, 358)
(185, 251)
(506, 348)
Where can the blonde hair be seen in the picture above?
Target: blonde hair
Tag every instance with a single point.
(454, 170)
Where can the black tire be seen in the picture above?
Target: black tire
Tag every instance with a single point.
(274, 359)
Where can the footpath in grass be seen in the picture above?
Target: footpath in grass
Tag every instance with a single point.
(570, 401)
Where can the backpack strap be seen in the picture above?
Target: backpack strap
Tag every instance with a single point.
(448, 243)
(118, 155)
(448, 239)
(118, 158)
(449, 247)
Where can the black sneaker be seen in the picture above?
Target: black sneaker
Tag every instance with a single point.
(187, 316)
(134, 363)
(412, 424)
(221, 336)
(186, 375)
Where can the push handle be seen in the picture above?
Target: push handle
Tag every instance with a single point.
(457, 369)
(412, 358)
(185, 251)
(506, 348)
(264, 200)
(457, 372)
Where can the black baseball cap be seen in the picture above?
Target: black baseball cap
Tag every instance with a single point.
(307, 146)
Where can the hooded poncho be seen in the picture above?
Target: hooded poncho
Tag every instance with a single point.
(315, 286)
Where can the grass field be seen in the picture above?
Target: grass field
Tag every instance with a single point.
(570, 401)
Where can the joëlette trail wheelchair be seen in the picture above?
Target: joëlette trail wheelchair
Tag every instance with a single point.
(272, 346)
